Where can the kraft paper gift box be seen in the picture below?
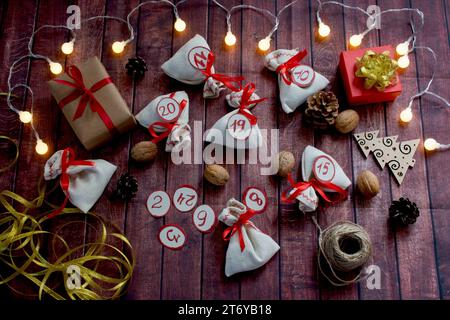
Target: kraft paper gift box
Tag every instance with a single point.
(91, 103)
(354, 86)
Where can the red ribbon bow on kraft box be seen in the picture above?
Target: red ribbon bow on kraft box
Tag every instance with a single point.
(91, 103)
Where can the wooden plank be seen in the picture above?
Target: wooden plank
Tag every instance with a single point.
(47, 42)
(325, 60)
(418, 243)
(372, 213)
(88, 43)
(262, 283)
(13, 49)
(182, 269)
(436, 125)
(298, 235)
(155, 47)
(215, 285)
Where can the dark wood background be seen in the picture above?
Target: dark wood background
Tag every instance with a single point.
(415, 263)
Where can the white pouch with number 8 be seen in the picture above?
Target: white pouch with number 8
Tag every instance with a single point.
(296, 81)
(168, 116)
(249, 248)
(193, 64)
(322, 176)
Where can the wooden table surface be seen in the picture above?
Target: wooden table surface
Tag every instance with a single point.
(414, 263)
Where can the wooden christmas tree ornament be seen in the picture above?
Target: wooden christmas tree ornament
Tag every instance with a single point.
(398, 156)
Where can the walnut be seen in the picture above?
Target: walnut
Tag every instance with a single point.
(216, 175)
(286, 163)
(144, 151)
(367, 184)
(347, 121)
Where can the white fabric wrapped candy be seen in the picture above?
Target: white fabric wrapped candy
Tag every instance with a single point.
(238, 129)
(168, 116)
(321, 175)
(82, 181)
(193, 64)
(249, 248)
(296, 81)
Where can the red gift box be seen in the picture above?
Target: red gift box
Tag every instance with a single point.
(354, 86)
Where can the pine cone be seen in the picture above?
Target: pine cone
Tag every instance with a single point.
(322, 109)
(403, 212)
(136, 67)
(127, 187)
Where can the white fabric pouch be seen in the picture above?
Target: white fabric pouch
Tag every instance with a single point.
(249, 248)
(296, 81)
(168, 116)
(193, 64)
(86, 179)
(324, 175)
(238, 129)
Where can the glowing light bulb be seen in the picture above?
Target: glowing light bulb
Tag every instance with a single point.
(430, 144)
(118, 46)
(324, 30)
(179, 25)
(230, 39)
(264, 44)
(55, 67)
(41, 147)
(67, 47)
(406, 115)
(25, 116)
(355, 40)
(403, 62)
(402, 48)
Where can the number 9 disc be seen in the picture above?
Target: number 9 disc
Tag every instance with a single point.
(204, 219)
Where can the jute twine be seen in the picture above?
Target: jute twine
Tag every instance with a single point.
(333, 248)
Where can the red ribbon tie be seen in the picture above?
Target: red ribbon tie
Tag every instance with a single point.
(87, 97)
(285, 68)
(242, 221)
(249, 89)
(232, 83)
(67, 160)
(318, 186)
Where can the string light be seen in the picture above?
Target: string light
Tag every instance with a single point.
(324, 30)
(406, 115)
(55, 67)
(263, 44)
(403, 62)
(431, 145)
(355, 40)
(179, 25)
(25, 116)
(230, 39)
(118, 46)
(41, 147)
(67, 47)
(402, 49)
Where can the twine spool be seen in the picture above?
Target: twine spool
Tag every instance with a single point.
(345, 247)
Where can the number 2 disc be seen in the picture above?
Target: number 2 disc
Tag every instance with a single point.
(255, 199)
(204, 219)
(158, 203)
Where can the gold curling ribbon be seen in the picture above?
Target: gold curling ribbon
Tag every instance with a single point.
(377, 69)
(13, 162)
(21, 246)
